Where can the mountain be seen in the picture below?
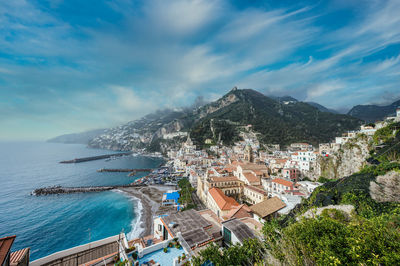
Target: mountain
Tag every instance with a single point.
(373, 113)
(77, 138)
(322, 108)
(288, 99)
(285, 98)
(281, 122)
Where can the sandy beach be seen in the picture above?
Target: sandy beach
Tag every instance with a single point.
(150, 197)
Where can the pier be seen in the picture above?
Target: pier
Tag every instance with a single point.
(125, 170)
(69, 190)
(99, 157)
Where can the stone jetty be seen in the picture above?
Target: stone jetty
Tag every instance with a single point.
(125, 170)
(68, 190)
(99, 157)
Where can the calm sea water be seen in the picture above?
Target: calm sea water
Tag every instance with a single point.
(48, 224)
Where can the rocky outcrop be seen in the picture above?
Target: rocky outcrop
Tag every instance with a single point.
(386, 188)
(349, 159)
(215, 106)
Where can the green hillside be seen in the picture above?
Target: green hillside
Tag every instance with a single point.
(276, 122)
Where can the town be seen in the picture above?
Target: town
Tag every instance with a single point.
(219, 194)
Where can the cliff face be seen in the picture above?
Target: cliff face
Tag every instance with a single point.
(349, 159)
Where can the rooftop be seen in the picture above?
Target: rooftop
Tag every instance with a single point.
(240, 229)
(223, 178)
(235, 212)
(283, 182)
(18, 255)
(224, 202)
(251, 177)
(185, 221)
(267, 207)
(5, 246)
(256, 189)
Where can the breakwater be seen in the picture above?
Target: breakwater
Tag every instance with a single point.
(68, 190)
(99, 157)
(125, 170)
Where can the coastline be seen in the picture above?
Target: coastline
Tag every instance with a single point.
(149, 206)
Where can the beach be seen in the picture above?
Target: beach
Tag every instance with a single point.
(150, 198)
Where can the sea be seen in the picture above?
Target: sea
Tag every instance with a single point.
(48, 224)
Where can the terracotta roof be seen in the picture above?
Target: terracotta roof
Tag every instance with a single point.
(267, 207)
(5, 246)
(283, 182)
(223, 178)
(224, 202)
(234, 212)
(256, 189)
(253, 167)
(251, 177)
(17, 256)
(281, 160)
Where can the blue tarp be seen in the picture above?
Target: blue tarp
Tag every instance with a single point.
(172, 196)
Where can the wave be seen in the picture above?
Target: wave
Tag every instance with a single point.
(137, 225)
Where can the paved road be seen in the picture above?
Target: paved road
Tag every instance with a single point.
(198, 202)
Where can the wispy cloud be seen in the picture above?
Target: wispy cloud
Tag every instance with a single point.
(121, 59)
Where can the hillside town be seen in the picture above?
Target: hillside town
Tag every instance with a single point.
(228, 195)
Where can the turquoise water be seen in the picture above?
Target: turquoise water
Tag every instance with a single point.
(48, 224)
(165, 259)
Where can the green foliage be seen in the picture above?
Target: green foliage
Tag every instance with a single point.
(335, 238)
(385, 134)
(251, 252)
(185, 194)
(388, 141)
(276, 122)
(380, 169)
(322, 179)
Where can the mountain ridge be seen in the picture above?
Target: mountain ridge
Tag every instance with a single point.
(275, 122)
(371, 113)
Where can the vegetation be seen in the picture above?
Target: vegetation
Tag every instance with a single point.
(270, 118)
(333, 239)
(185, 194)
(251, 252)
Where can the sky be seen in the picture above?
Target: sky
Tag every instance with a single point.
(72, 65)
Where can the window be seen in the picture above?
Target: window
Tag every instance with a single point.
(227, 236)
(159, 227)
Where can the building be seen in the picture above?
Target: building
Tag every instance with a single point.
(267, 209)
(230, 185)
(279, 185)
(190, 225)
(254, 195)
(103, 251)
(291, 173)
(235, 231)
(170, 198)
(219, 203)
(20, 257)
(5, 249)
(251, 173)
(301, 146)
(241, 211)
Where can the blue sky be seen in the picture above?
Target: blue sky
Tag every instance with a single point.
(72, 65)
